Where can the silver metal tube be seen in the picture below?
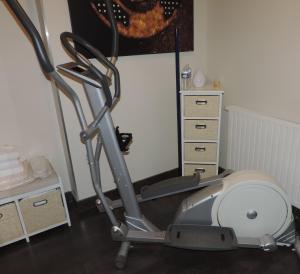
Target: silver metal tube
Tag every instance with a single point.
(118, 166)
(71, 94)
(95, 176)
(115, 158)
(121, 258)
(97, 159)
(96, 182)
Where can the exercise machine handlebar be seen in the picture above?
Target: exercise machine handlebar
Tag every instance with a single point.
(43, 57)
(49, 70)
(68, 40)
(34, 35)
(46, 64)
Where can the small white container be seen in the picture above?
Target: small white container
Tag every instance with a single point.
(199, 79)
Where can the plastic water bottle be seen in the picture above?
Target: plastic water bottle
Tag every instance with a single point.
(186, 78)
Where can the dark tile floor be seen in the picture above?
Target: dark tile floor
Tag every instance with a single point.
(87, 248)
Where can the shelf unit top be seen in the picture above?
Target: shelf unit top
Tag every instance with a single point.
(200, 141)
(206, 90)
(199, 163)
(36, 185)
(200, 118)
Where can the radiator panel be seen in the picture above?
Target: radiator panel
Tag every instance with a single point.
(264, 143)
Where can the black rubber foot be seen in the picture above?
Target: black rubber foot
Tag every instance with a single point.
(120, 262)
(297, 245)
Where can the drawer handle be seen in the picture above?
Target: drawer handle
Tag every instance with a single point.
(201, 102)
(200, 149)
(40, 203)
(201, 170)
(1, 216)
(200, 126)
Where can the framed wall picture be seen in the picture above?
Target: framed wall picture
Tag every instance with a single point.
(145, 27)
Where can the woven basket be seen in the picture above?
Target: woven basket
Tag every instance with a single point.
(10, 225)
(43, 211)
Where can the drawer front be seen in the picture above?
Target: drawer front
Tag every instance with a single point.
(42, 211)
(10, 224)
(201, 129)
(200, 152)
(201, 106)
(205, 170)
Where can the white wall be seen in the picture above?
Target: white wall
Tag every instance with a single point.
(8, 120)
(147, 107)
(253, 48)
(27, 115)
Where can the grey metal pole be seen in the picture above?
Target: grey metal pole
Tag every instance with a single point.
(115, 158)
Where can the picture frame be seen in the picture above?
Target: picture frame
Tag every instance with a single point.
(145, 27)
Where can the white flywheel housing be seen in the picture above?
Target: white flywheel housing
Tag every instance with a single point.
(253, 204)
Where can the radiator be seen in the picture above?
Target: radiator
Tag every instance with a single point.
(264, 143)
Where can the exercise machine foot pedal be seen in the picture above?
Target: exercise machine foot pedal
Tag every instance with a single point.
(199, 237)
(124, 140)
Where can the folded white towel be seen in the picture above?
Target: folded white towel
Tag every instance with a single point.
(8, 153)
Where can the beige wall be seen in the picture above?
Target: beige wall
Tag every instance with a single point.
(27, 116)
(8, 121)
(147, 108)
(253, 48)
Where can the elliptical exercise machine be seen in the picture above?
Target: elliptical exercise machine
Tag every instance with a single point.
(242, 209)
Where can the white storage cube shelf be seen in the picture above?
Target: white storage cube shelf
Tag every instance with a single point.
(31, 209)
(201, 111)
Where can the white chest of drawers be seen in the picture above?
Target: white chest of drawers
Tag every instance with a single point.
(200, 131)
(31, 209)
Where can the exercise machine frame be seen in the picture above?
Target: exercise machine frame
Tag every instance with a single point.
(136, 227)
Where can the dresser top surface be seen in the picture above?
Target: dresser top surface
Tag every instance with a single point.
(206, 90)
(30, 187)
